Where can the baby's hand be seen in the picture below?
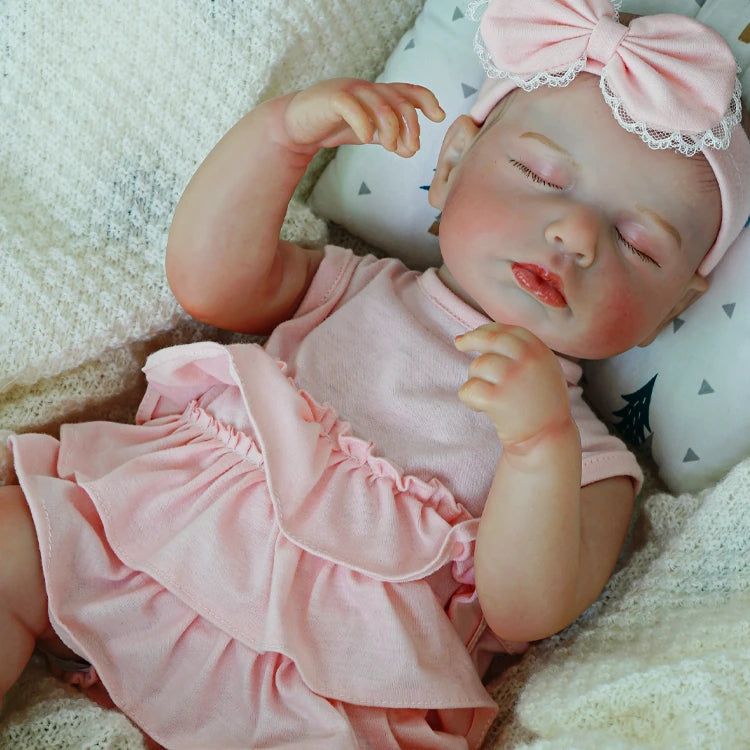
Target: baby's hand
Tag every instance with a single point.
(516, 381)
(353, 111)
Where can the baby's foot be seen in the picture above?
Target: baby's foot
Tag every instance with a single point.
(72, 671)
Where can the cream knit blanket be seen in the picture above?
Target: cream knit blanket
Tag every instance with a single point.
(662, 659)
(106, 109)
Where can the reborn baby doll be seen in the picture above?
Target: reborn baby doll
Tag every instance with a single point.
(316, 541)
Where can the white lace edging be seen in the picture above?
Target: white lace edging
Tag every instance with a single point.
(558, 78)
(689, 144)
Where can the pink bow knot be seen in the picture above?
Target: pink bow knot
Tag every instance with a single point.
(604, 40)
(666, 76)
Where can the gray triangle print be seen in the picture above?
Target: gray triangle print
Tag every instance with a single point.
(364, 190)
(690, 456)
(705, 388)
(729, 309)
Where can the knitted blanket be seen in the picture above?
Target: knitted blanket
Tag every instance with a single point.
(662, 659)
(106, 109)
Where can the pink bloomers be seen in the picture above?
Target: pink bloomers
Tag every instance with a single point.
(261, 583)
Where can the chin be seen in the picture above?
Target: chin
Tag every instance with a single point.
(580, 349)
(592, 353)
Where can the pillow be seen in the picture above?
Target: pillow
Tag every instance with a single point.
(692, 416)
(379, 196)
(685, 396)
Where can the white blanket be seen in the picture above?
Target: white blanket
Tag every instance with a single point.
(106, 109)
(662, 659)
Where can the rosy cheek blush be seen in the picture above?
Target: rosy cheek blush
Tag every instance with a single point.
(621, 323)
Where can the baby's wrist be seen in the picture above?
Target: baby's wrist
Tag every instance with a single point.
(279, 129)
(552, 435)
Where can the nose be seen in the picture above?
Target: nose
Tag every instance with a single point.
(575, 232)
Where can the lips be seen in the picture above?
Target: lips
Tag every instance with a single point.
(546, 286)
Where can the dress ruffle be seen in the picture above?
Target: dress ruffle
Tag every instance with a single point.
(273, 566)
(313, 463)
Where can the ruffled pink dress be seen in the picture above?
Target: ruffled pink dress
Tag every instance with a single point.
(243, 570)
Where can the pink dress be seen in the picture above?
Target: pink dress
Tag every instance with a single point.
(244, 569)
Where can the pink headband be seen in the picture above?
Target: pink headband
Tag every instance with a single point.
(667, 78)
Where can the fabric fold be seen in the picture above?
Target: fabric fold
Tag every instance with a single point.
(354, 489)
(281, 542)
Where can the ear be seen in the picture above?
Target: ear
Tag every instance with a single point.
(694, 290)
(458, 138)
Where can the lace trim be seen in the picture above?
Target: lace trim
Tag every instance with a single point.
(688, 144)
(554, 78)
(557, 78)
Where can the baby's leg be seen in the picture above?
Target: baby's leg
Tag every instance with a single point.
(23, 600)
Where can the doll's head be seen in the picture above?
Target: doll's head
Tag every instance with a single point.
(592, 230)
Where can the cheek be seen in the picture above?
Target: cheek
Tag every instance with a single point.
(476, 219)
(622, 321)
(458, 221)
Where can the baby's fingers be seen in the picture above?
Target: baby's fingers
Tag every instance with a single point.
(349, 108)
(406, 99)
(421, 98)
(370, 115)
(478, 394)
(386, 113)
(510, 341)
(491, 368)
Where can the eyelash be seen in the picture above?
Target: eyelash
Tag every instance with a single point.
(531, 174)
(641, 255)
(536, 178)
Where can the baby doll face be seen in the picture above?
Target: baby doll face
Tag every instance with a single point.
(556, 219)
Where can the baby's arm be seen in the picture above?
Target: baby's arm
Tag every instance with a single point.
(546, 546)
(225, 261)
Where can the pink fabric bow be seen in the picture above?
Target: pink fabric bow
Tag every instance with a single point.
(670, 72)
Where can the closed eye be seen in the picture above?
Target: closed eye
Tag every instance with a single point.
(639, 253)
(532, 175)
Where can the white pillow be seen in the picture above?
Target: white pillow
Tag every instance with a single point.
(379, 196)
(685, 397)
(698, 419)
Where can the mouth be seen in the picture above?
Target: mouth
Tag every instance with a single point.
(546, 286)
